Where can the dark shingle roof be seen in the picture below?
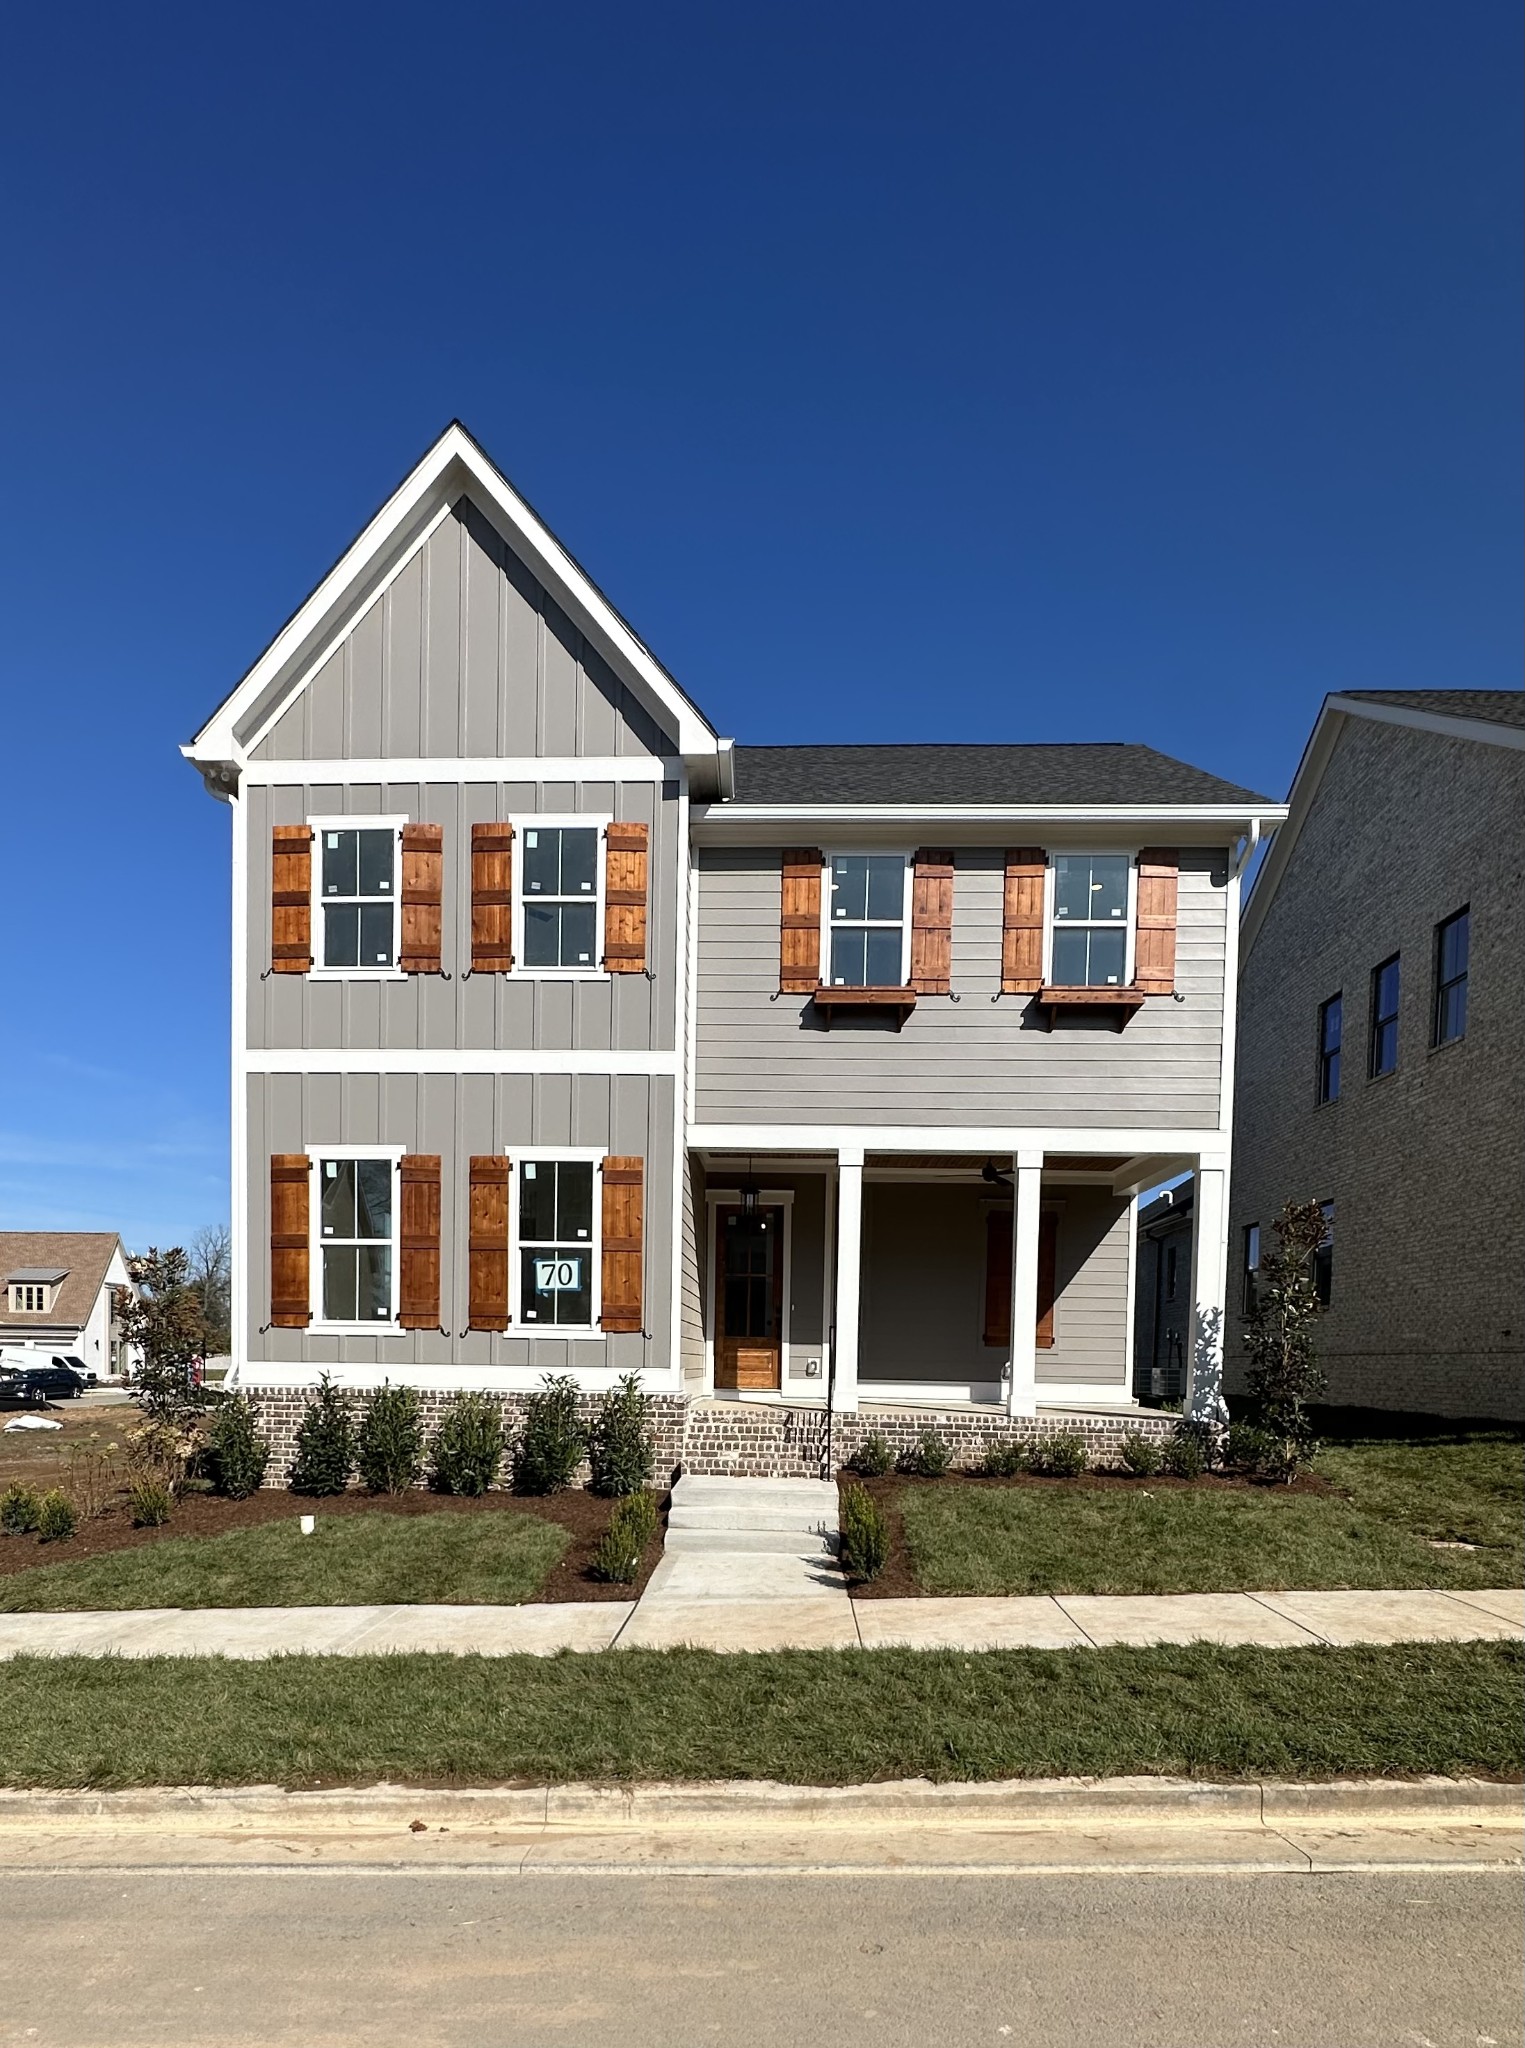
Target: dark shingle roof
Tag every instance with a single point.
(1083, 773)
(1494, 707)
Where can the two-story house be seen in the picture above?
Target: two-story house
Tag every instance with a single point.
(817, 1084)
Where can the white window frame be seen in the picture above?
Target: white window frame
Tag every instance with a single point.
(341, 1148)
(597, 822)
(18, 1307)
(1130, 961)
(830, 854)
(356, 823)
(526, 1155)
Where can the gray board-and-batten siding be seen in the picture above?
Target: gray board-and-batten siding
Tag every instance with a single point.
(763, 1058)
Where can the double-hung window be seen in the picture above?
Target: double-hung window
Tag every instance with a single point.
(866, 930)
(358, 896)
(1251, 1295)
(1091, 922)
(1384, 1019)
(557, 1247)
(1451, 949)
(1330, 1028)
(356, 1243)
(559, 897)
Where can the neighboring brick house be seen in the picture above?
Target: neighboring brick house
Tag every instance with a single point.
(1162, 1293)
(1382, 1047)
(58, 1295)
(818, 1085)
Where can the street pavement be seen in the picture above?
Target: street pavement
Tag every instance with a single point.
(111, 1958)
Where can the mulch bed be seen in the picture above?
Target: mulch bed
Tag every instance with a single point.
(898, 1580)
(586, 1515)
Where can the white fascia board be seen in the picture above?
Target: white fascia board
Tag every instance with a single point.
(761, 824)
(454, 467)
(1207, 1146)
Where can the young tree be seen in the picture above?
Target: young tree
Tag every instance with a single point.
(211, 1271)
(161, 1313)
(1284, 1372)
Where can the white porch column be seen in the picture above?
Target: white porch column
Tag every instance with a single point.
(844, 1394)
(1203, 1400)
(1027, 1183)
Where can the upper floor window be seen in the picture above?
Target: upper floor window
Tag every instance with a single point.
(556, 1243)
(29, 1297)
(1251, 1297)
(559, 897)
(867, 933)
(358, 896)
(1451, 947)
(1384, 1019)
(356, 1239)
(1330, 1026)
(1323, 1258)
(1092, 925)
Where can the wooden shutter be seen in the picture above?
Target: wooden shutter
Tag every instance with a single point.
(1048, 1276)
(799, 971)
(419, 1275)
(932, 924)
(997, 1277)
(290, 899)
(623, 1247)
(492, 899)
(423, 885)
(290, 1294)
(625, 886)
(487, 1243)
(1022, 921)
(1154, 953)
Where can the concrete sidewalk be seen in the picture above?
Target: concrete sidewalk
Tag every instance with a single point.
(1069, 1621)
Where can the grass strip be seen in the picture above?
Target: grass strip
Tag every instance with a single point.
(349, 1561)
(804, 1717)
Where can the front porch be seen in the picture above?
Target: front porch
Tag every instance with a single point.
(962, 1289)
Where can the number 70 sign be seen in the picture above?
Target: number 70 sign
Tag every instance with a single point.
(558, 1276)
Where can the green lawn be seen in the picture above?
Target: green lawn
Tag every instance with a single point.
(1131, 1537)
(805, 1717)
(350, 1560)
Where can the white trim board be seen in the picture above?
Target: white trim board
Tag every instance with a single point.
(472, 768)
(737, 823)
(853, 1140)
(416, 1060)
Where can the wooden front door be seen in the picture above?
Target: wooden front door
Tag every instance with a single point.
(749, 1298)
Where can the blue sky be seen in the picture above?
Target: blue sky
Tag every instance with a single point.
(1092, 371)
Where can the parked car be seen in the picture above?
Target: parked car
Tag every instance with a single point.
(38, 1384)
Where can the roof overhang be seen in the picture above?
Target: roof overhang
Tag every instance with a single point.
(743, 824)
(1322, 741)
(454, 468)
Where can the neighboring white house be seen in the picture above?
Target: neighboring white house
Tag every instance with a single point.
(57, 1296)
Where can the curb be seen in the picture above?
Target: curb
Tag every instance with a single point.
(1032, 1804)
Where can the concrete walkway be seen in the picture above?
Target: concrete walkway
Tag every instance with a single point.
(819, 1618)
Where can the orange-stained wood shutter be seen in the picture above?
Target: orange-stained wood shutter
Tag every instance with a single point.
(487, 1243)
(419, 1274)
(1022, 921)
(290, 1294)
(799, 969)
(290, 899)
(625, 888)
(932, 924)
(1154, 953)
(1048, 1276)
(997, 1277)
(423, 887)
(492, 899)
(623, 1246)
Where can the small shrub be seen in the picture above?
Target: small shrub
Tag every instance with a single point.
(390, 1442)
(92, 1479)
(1006, 1459)
(552, 1442)
(1141, 1454)
(620, 1447)
(1061, 1457)
(872, 1459)
(56, 1519)
(865, 1546)
(152, 1503)
(239, 1453)
(18, 1510)
(468, 1446)
(1244, 1445)
(631, 1527)
(928, 1458)
(325, 1450)
(1185, 1454)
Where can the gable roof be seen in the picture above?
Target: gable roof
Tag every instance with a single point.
(1493, 718)
(1081, 774)
(85, 1258)
(455, 467)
